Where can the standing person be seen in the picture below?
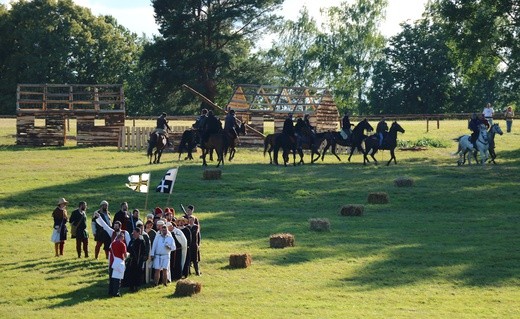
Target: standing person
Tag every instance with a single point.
(160, 254)
(178, 255)
(189, 213)
(60, 217)
(508, 115)
(100, 235)
(117, 265)
(181, 224)
(488, 113)
(132, 220)
(147, 248)
(122, 216)
(137, 260)
(78, 219)
(194, 249)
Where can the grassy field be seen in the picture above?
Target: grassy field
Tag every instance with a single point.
(449, 247)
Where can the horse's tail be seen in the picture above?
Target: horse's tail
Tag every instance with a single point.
(458, 138)
(183, 142)
(267, 142)
(151, 143)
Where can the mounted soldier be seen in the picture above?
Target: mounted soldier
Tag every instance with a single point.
(288, 127)
(230, 124)
(162, 127)
(381, 131)
(199, 124)
(346, 130)
(212, 125)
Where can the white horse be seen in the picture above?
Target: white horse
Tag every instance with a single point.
(466, 146)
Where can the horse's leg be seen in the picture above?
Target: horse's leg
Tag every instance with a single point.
(333, 150)
(203, 156)
(374, 151)
(392, 156)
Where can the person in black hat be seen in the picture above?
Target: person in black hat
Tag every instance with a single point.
(162, 127)
(230, 124)
(345, 126)
(288, 126)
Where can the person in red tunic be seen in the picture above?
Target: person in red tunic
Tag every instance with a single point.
(117, 264)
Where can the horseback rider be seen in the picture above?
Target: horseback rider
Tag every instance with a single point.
(381, 131)
(162, 127)
(346, 131)
(288, 127)
(474, 127)
(230, 124)
(211, 125)
(199, 124)
(306, 120)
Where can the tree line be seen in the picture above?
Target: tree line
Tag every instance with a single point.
(457, 57)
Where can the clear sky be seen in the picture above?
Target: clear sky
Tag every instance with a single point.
(138, 15)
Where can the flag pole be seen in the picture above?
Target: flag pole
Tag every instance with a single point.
(147, 191)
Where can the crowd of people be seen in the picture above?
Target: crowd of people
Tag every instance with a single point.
(158, 249)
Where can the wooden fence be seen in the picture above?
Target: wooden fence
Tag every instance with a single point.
(132, 138)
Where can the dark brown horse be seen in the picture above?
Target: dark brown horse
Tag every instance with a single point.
(189, 141)
(372, 144)
(233, 141)
(219, 142)
(158, 142)
(269, 145)
(354, 141)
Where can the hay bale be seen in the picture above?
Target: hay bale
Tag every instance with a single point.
(378, 198)
(404, 182)
(281, 240)
(352, 210)
(187, 287)
(240, 260)
(212, 173)
(319, 224)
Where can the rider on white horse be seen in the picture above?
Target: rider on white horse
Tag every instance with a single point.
(474, 126)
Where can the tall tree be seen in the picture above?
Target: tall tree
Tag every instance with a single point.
(417, 73)
(49, 41)
(201, 41)
(294, 52)
(485, 34)
(351, 46)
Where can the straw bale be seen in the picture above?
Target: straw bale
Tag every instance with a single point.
(352, 210)
(187, 287)
(319, 224)
(404, 182)
(281, 240)
(240, 260)
(378, 198)
(212, 173)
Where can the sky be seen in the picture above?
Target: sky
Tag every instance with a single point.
(138, 15)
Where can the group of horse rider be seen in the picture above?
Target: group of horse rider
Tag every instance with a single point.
(205, 124)
(346, 129)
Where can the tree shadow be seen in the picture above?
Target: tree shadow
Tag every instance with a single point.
(439, 223)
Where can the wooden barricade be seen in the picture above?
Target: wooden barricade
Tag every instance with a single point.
(135, 139)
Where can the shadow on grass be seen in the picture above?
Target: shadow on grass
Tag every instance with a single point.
(437, 229)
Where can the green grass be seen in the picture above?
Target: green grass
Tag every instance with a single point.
(446, 248)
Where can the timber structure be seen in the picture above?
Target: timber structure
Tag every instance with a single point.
(43, 111)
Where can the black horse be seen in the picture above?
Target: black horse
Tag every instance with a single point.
(372, 144)
(189, 141)
(354, 141)
(307, 139)
(158, 142)
(287, 144)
